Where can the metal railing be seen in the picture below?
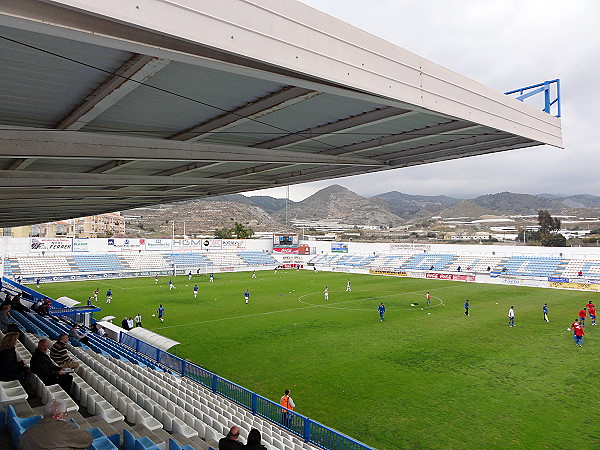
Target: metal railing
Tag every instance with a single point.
(297, 424)
(551, 90)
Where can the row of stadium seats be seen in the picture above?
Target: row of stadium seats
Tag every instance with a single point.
(41, 266)
(114, 384)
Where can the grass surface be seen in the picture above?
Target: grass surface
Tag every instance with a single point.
(423, 378)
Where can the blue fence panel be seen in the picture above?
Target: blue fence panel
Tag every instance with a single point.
(202, 376)
(232, 391)
(295, 423)
(148, 350)
(327, 438)
(172, 362)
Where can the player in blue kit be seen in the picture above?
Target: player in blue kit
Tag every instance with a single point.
(195, 290)
(381, 310)
(247, 296)
(161, 312)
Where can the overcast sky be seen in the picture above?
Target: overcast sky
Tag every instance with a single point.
(503, 44)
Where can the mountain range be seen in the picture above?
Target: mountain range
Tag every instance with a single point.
(336, 203)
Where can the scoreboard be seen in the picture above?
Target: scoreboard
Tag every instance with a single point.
(285, 243)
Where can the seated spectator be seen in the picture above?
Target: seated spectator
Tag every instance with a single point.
(49, 373)
(580, 273)
(16, 304)
(54, 431)
(124, 324)
(58, 353)
(231, 442)
(7, 323)
(7, 300)
(12, 369)
(254, 441)
(74, 333)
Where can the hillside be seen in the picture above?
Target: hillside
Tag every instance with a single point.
(510, 203)
(407, 206)
(339, 203)
(199, 216)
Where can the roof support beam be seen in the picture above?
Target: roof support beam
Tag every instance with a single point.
(252, 111)
(452, 128)
(10, 178)
(124, 80)
(64, 144)
(23, 194)
(353, 123)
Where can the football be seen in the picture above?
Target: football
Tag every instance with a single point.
(568, 329)
(153, 315)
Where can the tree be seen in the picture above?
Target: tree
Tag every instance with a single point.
(241, 231)
(548, 226)
(556, 240)
(547, 223)
(223, 233)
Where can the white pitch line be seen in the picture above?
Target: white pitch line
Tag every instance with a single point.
(309, 305)
(238, 317)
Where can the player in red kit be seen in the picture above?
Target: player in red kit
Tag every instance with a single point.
(575, 325)
(592, 312)
(582, 316)
(579, 333)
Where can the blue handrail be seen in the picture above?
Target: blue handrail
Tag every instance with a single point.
(302, 426)
(547, 87)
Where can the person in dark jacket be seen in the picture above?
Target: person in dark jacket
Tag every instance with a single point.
(254, 441)
(11, 369)
(49, 373)
(231, 442)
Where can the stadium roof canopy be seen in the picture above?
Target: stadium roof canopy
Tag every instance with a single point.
(108, 105)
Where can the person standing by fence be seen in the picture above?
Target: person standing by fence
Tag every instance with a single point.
(288, 405)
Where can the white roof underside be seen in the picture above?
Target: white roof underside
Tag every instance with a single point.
(111, 105)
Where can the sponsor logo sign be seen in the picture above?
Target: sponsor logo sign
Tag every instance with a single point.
(158, 244)
(81, 245)
(125, 244)
(211, 244)
(558, 280)
(450, 276)
(38, 245)
(339, 247)
(579, 286)
(293, 251)
(233, 244)
(188, 244)
(398, 247)
(396, 273)
(227, 269)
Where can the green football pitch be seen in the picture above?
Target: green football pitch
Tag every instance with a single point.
(426, 377)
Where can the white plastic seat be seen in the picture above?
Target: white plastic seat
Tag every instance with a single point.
(11, 391)
(180, 427)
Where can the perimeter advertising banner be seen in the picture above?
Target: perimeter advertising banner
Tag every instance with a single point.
(81, 245)
(233, 244)
(409, 247)
(186, 245)
(158, 245)
(388, 272)
(578, 286)
(339, 247)
(450, 276)
(39, 245)
(289, 251)
(211, 244)
(126, 245)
